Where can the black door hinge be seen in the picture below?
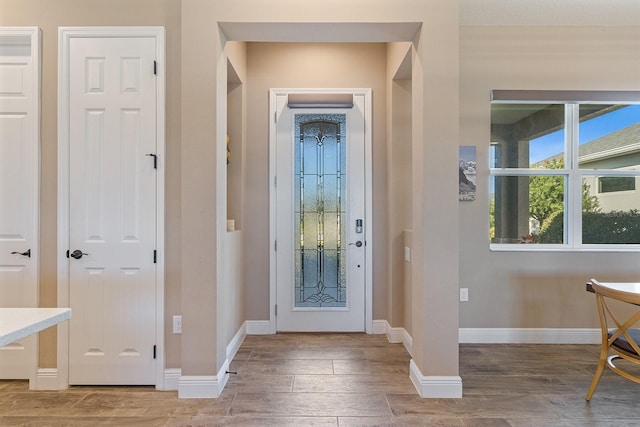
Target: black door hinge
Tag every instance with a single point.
(155, 256)
(154, 351)
(155, 159)
(155, 68)
(67, 253)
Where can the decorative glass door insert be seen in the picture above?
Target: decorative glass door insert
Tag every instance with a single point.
(320, 210)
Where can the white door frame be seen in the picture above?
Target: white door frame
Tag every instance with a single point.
(65, 34)
(16, 38)
(368, 287)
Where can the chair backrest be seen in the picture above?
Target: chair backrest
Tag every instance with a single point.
(618, 336)
(623, 337)
(616, 292)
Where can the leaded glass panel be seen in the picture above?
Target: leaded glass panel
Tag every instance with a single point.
(320, 203)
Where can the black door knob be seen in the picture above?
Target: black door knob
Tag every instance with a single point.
(77, 254)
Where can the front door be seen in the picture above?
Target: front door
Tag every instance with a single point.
(112, 210)
(19, 148)
(320, 218)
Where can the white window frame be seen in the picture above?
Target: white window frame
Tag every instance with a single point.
(572, 173)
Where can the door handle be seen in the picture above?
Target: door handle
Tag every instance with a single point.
(357, 244)
(27, 253)
(77, 254)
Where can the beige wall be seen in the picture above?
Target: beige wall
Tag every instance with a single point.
(434, 151)
(399, 186)
(236, 128)
(525, 289)
(305, 65)
(196, 172)
(49, 15)
(435, 125)
(534, 289)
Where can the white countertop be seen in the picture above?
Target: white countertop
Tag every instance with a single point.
(17, 323)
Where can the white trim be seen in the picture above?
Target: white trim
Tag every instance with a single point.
(368, 190)
(203, 386)
(259, 327)
(46, 379)
(407, 341)
(172, 378)
(394, 335)
(65, 34)
(236, 342)
(198, 387)
(435, 386)
(380, 327)
(530, 335)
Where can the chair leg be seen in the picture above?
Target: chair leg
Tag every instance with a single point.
(596, 376)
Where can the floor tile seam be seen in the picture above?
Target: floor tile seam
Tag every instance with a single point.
(230, 405)
(77, 402)
(386, 399)
(287, 393)
(354, 392)
(513, 376)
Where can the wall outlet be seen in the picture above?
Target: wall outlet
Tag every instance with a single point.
(464, 294)
(177, 324)
(407, 254)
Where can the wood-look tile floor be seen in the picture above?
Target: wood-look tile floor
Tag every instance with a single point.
(353, 380)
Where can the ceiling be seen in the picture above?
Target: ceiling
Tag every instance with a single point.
(598, 13)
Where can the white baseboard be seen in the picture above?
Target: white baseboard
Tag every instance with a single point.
(380, 327)
(258, 327)
(172, 378)
(198, 386)
(435, 387)
(236, 342)
(203, 386)
(394, 335)
(529, 336)
(407, 340)
(46, 379)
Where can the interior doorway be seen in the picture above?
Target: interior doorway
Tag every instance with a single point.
(320, 158)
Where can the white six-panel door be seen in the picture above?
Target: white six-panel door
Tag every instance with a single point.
(19, 179)
(112, 210)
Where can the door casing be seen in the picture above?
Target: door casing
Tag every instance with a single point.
(274, 94)
(65, 34)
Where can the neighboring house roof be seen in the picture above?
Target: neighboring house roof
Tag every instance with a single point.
(615, 144)
(621, 142)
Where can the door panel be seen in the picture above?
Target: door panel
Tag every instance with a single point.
(19, 202)
(112, 203)
(320, 271)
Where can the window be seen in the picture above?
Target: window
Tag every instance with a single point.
(563, 170)
(611, 184)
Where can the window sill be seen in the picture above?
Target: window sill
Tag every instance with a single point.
(535, 247)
